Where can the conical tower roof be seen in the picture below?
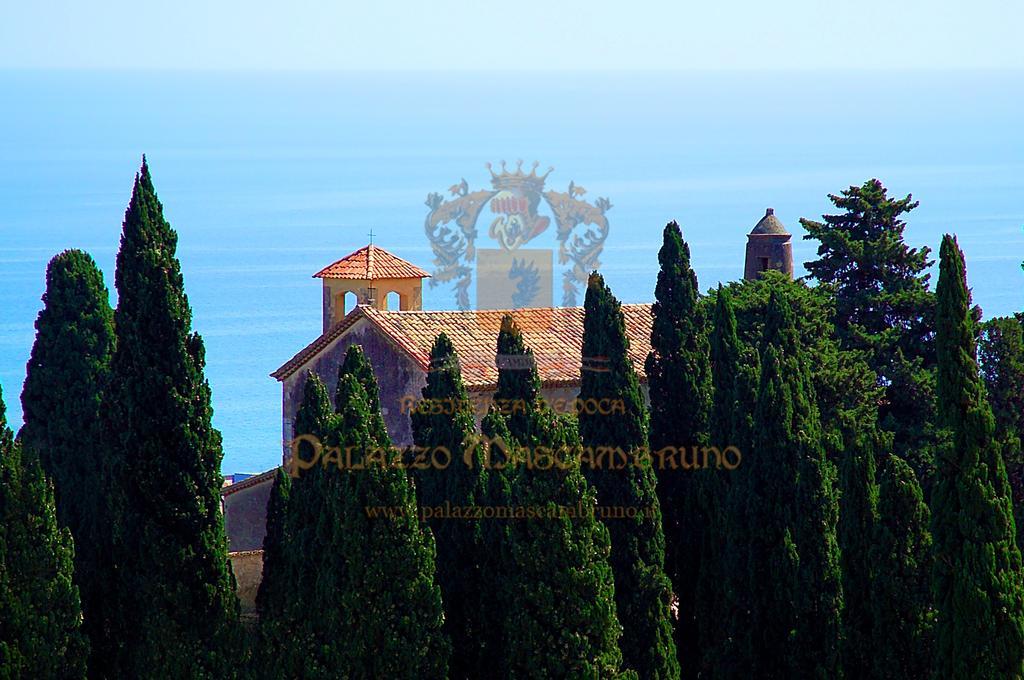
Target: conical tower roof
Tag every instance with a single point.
(769, 224)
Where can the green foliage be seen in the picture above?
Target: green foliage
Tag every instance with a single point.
(40, 613)
(177, 611)
(389, 618)
(494, 546)
(357, 365)
(67, 372)
(291, 613)
(361, 600)
(446, 422)
(642, 591)
(561, 593)
(977, 578)
(902, 645)
(794, 587)
(856, 534)
(909, 412)
(1001, 355)
(727, 658)
(883, 308)
(275, 589)
(882, 298)
(678, 373)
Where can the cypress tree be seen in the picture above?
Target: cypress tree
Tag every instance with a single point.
(40, 613)
(363, 602)
(679, 382)
(358, 366)
(493, 550)
(444, 421)
(642, 591)
(857, 518)
(561, 592)
(273, 590)
(794, 584)
(178, 612)
(275, 585)
(296, 630)
(902, 643)
(977, 578)
(68, 369)
(718, 588)
(1001, 355)
(389, 618)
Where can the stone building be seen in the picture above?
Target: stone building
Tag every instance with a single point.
(769, 246)
(397, 343)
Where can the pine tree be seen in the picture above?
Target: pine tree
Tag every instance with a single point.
(902, 643)
(177, 613)
(882, 297)
(642, 591)
(40, 613)
(977, 579)
(857, 518)
(561, 592)
(678, 373)
(67, 372)
(445, 421)
(794, 584)
(883, 308)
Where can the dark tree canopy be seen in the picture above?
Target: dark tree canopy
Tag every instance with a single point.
(679, 382)
(62, 401)
(389, 618)
(882, 297)
(40, 613)
(900, 597)
(794, 585)
(1001, 355)
(561, 593)
(642, 591)
(444, 420)
(176, 587)
(977, 582)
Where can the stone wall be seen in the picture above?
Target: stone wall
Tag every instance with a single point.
(774, 249)
(245, 512)
(247, 567)
(398, 376)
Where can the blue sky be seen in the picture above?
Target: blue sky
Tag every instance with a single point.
(523, 35)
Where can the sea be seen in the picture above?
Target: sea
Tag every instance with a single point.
(267, 177)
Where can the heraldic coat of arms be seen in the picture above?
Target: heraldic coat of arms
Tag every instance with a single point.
(511, 275)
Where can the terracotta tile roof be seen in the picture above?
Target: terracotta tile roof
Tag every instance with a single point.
(555, 335)
(371, 263)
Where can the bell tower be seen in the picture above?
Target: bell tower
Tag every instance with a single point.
(769, 246)
(366, 277)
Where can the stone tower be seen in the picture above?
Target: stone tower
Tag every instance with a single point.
(769, 246)
(369, 274)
